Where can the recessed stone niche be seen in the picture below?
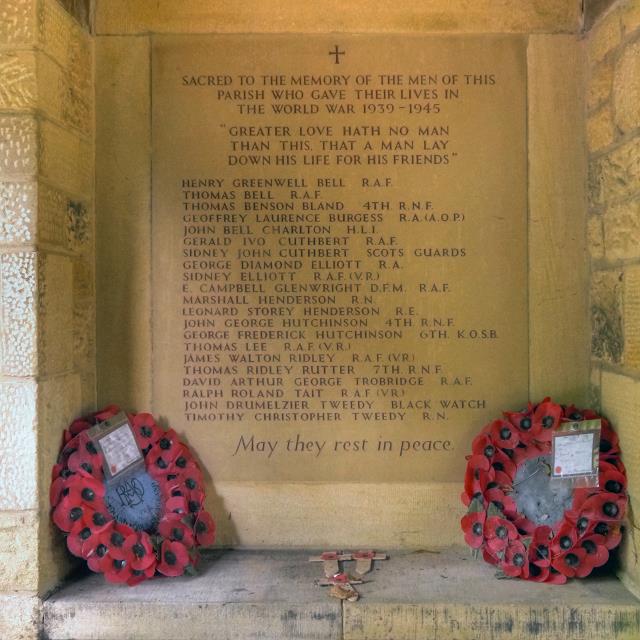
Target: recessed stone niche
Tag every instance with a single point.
(400, 224)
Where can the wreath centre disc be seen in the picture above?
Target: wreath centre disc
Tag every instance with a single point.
(540, 500)
(134, 500)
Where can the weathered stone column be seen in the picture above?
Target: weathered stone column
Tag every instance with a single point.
(613, 129)
(47, 300)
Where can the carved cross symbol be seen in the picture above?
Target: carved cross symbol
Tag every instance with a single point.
(337, 53)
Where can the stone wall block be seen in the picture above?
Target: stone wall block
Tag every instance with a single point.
(616, 175)
(18, 466)
(64, 41)
(600, 84)
(631, 17)
(605, 37)
(607, 341)
(18, 86)
(595, 237)
(622, 230)
(626, 88)
(632, 318)
(17, 23)
(600, 129)
(20, 617)
(18, 550)
(84, 317)
(55, 309)
(18, 308)
(59, 402)
(18, 202)
(66, 159)
(18, 146)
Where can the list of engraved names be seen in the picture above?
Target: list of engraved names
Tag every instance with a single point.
(339, 250)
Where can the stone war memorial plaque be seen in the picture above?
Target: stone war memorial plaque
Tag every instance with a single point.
(339, 250)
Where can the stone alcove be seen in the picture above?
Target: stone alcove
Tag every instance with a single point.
(75, 187)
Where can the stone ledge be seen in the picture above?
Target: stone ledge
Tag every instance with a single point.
(270, 595)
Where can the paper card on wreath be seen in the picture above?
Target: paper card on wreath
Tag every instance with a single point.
(114, 438)
(575, 452)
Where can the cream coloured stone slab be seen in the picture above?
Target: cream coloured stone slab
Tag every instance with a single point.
(450, 596)
(19, 551)
(18, 204)
(273, 515)
(632, 318)
(18, 463)
(18, 24)
(123, 193)
(259, 16)
(55, 309)
(66, 159)
(237, 596)
(20, 617)
(621, 405)
(558, 319)
(270, 595)
(358, 439)
(18, 146)
(626, 88)
(18, 320)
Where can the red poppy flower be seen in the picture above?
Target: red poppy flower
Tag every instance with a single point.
(597, 552)
(86, 533)
(540, 547)
(506, 504)
(117, 570)
(106, 413)
(499, 532)
(523, 422)
(545, 574)
(478, 475)
(174, 558)
(145, 430)
(572, 563)
(611, 479)
(473, 527)
(565, 539)
(609, 442)
(515, 562)
(205, 529)
(139, 549)
(114, 538)
(504, 435)
(68, 512)
(78, 426)
(86, 458)
(85, 489)
(546, 418)
(177, 504)
(611, 532)
(55, 490)
(172, 527)
(605, 507)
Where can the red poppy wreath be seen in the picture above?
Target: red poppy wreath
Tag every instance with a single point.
(152, 524)
(541, 535)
